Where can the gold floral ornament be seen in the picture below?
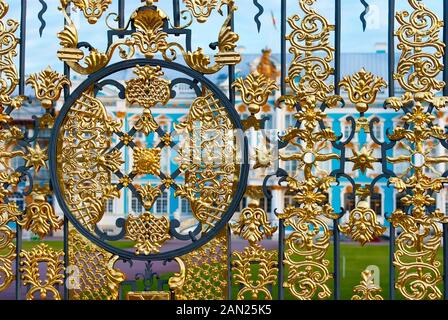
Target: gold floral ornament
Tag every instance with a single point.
(201, 9)
(92, 9)
(39, 216)
(421, 48)
(48, 85)
(147, 161)
(36, 157)
(148, 90)
(29, 266)
(253, 226)
(362, 88)
(255, 91)
(203, 272)
(363, 159)
(91, 262)
(8, 213)
(362, 225)
(148, 232)
(367, 289)
(9, 138)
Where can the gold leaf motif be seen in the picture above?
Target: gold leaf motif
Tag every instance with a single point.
(47, 86)
(92, 9)
(201, 9)
(362, 88)
(243, 273)
(149, 36)
(148, 232)
(29, 266)
(367, 289)
(149, 195)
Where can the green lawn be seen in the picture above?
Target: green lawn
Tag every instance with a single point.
(354, 259)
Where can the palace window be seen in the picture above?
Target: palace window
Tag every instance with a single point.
(136, 205)
(161, 205)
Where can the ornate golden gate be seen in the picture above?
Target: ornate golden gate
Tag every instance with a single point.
(89, 166)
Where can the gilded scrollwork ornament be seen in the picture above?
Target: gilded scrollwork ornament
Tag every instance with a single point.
(149, 35)
(46, 287)
(362, 225)
(421, 48)
(415, 257)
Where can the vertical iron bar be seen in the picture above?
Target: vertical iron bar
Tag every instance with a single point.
(281, 253)
(391, 263)
(22, 66)
(229, 262)
(337, 273)
(337, 47)
(445, 261)
(337, 78)
(121, 14)
(391, 48)
(445, 40)
(232, 69)
(66, 223)
(176, 10)
(281, 226)
(232, 101)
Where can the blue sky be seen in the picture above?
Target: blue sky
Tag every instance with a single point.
(41, 52)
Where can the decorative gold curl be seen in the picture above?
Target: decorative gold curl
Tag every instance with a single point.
(149, 38)
(422, 49)
(309, 71)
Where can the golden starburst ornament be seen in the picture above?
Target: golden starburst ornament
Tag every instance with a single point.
(363, 159)
(36, 157)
